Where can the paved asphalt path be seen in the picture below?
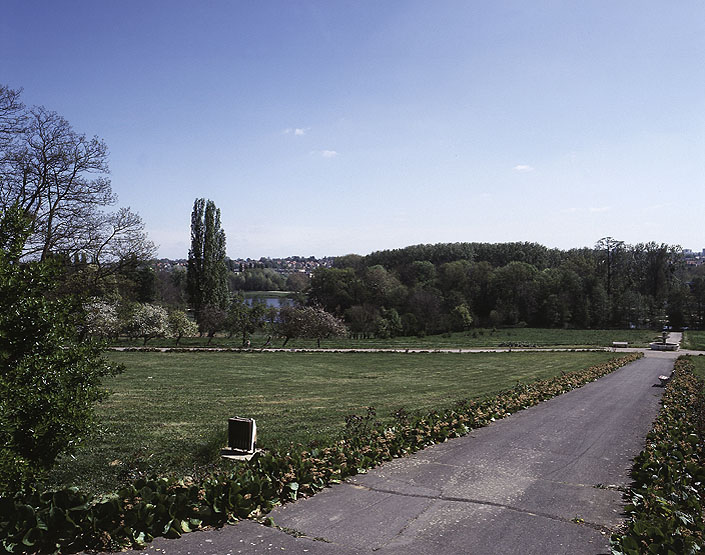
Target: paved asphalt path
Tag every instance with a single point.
(542, 481)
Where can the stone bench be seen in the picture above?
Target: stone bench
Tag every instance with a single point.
(620, 344)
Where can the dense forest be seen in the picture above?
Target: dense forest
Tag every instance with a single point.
(451, 287)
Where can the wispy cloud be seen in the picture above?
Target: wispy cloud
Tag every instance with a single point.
(296, 131)
(597, 209)
(325, 153)
(523, 168)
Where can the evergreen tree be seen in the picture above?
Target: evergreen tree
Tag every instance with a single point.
(206, 279)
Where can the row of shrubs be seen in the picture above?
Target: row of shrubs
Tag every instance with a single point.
(666, 502)
(71, 520)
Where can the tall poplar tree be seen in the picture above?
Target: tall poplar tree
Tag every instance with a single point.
(206, 278)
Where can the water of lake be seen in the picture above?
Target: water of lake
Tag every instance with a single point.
(276, 302)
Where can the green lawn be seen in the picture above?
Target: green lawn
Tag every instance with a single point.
(699, 363)
(693, 339)
(472, 339)
(168, 411)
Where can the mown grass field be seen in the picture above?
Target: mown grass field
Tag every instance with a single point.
(168, 411)
(477, 338)
(699, 363)
(694, 339)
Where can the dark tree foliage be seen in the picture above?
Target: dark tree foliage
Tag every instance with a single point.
(257, 279)
(298, 281)
(146, 285)
(244, 319)
(335, 289)
(49, 379)
(436, 254)
(171, 287)
(206, 278)
(212, 319)
(613, 284)
(497, 254)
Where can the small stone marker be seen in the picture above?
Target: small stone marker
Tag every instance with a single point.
(242, 439)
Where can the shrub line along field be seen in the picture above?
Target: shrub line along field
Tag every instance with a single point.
(167, 413)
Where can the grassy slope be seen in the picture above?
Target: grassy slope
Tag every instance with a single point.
(472, 339)
(168, 411)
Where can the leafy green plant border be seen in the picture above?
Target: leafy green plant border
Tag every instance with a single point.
(666, 502)
(71, 520)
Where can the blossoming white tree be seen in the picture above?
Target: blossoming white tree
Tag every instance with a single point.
(102, 318)
(148, 321)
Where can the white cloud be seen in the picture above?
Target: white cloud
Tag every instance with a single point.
(297, 131)
(596, 209)
(523, 168)
(325, 153)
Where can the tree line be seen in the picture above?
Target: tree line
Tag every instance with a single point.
(451, 287)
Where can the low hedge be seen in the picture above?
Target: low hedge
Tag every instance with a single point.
(666, 502)
(70, 520)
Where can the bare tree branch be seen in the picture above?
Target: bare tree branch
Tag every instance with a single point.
(60, 179)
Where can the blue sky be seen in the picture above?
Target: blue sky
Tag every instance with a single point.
(330, 127)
